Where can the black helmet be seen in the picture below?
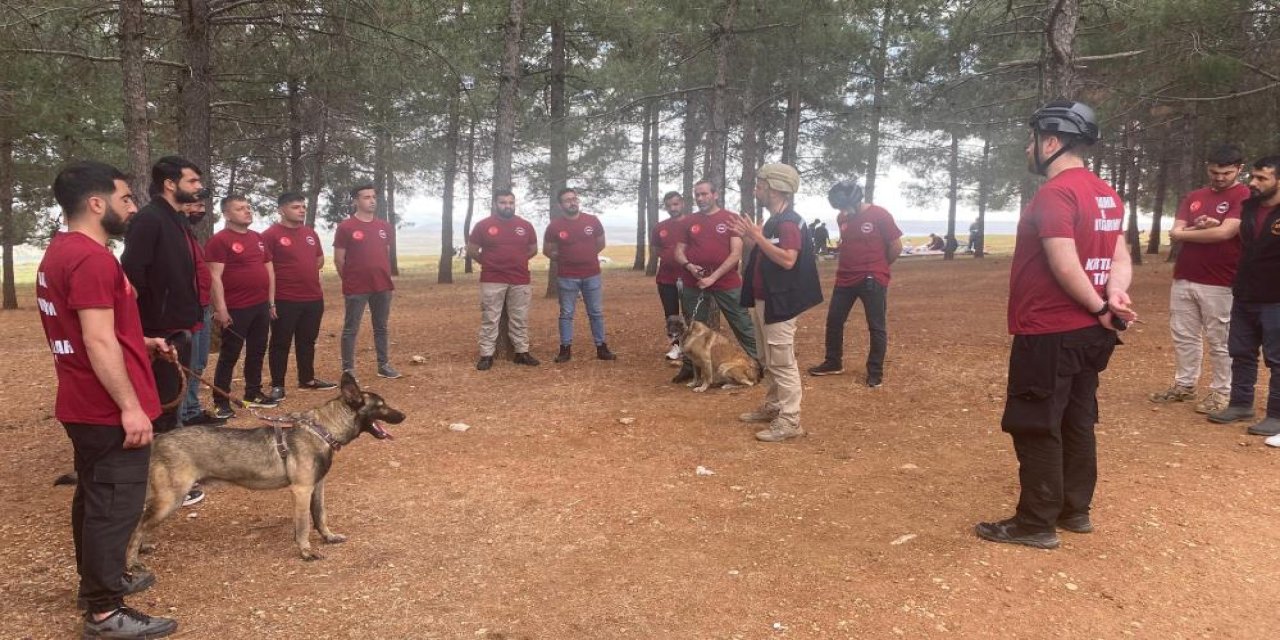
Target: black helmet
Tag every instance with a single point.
(845, 194)
(1067, 117)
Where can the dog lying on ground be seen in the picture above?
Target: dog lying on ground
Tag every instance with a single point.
(297, 457)
(717, 360)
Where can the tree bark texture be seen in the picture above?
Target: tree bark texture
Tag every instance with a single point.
(692, 134)
(133, 74)
(7, 235)
(471, 188)
(718, 132)
(293, 101)
(508, 85)
(1058, 78)
(652, 114)
(195, 91)
(879, 64)
(953, 196)
(558, 168)
(444, 274)
(642, 195)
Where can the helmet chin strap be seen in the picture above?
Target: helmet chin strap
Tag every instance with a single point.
(1042, 166)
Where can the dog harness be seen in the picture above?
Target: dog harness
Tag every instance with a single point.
(294, 420)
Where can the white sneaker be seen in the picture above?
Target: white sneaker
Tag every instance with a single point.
(1273, 441)
(675, 353)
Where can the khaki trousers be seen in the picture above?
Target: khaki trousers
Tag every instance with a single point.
(1200, 313)
(516, 298)
(777, 347)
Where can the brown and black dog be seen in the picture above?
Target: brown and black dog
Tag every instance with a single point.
(297, 457)
(717, 360)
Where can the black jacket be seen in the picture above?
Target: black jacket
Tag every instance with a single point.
(788, 292)
(157, 259)
(1258, 276)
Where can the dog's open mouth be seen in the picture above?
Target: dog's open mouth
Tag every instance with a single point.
(378, 432)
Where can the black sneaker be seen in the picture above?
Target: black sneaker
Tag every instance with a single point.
(1232, 414)
(193, 497)
(1078, 523)
(277, 394)
(566, 353)
(204, 418)
(133, 581)
(827, 368)
(603, 352)
(484, 363)
(874, 380)
(388, 371)
(685, 373)
(128, 624)
(1008, 531)
(259, 401)
(526, 359)
(317, 384)
(223, 413)
(1268, 426)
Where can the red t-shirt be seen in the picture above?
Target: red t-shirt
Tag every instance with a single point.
(1212, 263)
(204, 279)
(863, 240)
(244, 258)
(367, 268)
(663, 240)
(1074, 204)
(78, 273)
(295, 252)
(504, 248)
(576, 238)
(706, 239)
(789, 238)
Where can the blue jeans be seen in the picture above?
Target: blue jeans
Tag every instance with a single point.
(592, 290)
(190, 407)
(1254, 326)
(379, 303)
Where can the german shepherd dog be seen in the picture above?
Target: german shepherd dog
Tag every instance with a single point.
(297, 457)
(717, 360)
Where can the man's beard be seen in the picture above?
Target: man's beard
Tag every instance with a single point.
(506, 214)
(186, 197)
(1263, 195)
(113, 224)
(194, 218)
(571, 210)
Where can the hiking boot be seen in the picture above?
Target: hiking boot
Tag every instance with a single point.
(259, 401)
(277, 394)
(566, 353)
(204, 418)
(194, 496)
(827, 368)
(484, 363)
(1268, 427)
(387, 371)
(779, 431)
(128, 624)
(1273, 441)
(526, 359)
(317, 384)
(1232, 414)
(132, 581)
(222, 412)
(875, 380)
(1176, 393)
(603, 352)
(1008, 531)
(1078, 523)
(685, 373)
(763, 414)
(674, 353)
(1215, 402)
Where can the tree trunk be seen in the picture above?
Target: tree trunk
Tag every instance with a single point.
(195, 90)
(471, 188)
(749, 151)
(655, 176)
(445, 274)
(1134, 174)
(133, 73)
(879, 65)
(791, 122)
(1190, 161)
(1157, 206)
(953, 197)
(8, 238)
(294, 103)
(508, 84)
(718, 133)
(317, 166)
(393, 219)
(692, 133)
(558, 168)
(642, 195)
(1058, 78)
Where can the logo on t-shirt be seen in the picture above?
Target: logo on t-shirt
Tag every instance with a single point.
(722, 228)
(1195, 206)
(236, 247)
(1275, 228)
(1106, 202)
(564, 235)
(1222, 207)
(662, 233)
(382, 233)
(493, 231)
(520, 231)
(357, 235)
(695, 229)
(591, 231)
(867, 227)
(287, 242)
(311, 240)
(262, 247)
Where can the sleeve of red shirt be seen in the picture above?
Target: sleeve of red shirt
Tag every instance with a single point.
(789, 236)
(342, 237)
(1184, 211)
(319, 248)
(595, 223)
(552, 229)
(476, 236)
(1054, 213)
(533, 233)
(267, 252)
(93, 283)
(215, 250)
(889, 229)
(1237, 204)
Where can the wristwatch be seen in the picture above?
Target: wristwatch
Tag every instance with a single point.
(1106, 308)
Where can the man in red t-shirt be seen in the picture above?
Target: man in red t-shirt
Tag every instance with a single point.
(708, 252)
(663, 241)
(503, 243)
(296, 260)
(1068, 295)
(870, 241)
(1208, 226)
(240, 260)
(362, 253)
(574, 242)
(106, 398)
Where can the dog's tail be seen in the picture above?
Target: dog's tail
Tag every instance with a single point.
(66, 479)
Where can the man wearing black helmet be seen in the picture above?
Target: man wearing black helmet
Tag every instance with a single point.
(869, 242)
(1067, 298)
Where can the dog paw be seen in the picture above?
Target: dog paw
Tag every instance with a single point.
(311, 556)
(731, 386)
(700, 388)
(691, 384)
(147, 548)
(334, 538)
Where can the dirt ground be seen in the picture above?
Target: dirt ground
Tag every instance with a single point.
(555, 518)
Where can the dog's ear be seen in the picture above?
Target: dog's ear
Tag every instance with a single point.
(351, 390)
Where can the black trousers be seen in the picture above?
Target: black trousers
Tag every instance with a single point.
(875, 304)
(1051, 408)
(110, 492)
(169, 379)
(670, 296)
(297, 323)
(248, 330)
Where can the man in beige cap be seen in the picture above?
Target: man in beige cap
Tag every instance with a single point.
(781, 283)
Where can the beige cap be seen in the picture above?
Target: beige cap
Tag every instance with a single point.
(780, 177)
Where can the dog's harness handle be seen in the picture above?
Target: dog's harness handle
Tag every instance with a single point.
(281, 447)
(294, 420)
